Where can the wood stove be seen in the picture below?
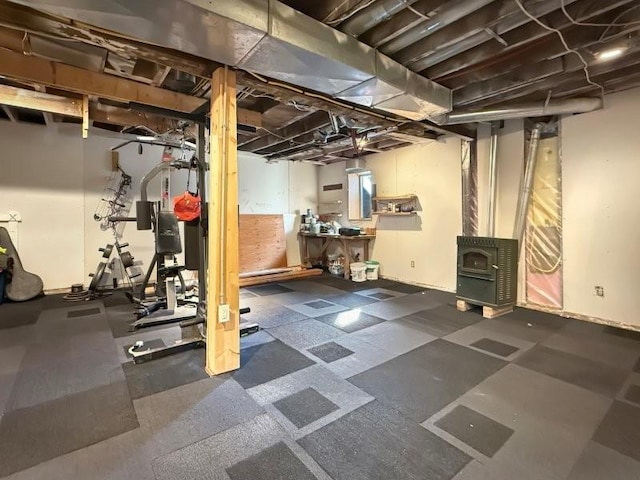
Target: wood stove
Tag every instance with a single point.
(487, 271)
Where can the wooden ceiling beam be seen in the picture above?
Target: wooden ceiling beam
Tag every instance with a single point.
(47, 116)
(44, 102)
(72, 107)
(73, 79)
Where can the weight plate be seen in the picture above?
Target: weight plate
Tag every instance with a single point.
(127, 259)
(95, 281)
(106, 251)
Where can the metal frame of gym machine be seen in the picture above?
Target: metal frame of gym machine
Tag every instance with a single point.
(193, 331)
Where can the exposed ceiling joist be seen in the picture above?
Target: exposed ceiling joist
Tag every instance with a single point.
(401, 22)
(22, 98)
(48, 117)
(9, 113)
(72, 107)
(73, 79)
(453, 72)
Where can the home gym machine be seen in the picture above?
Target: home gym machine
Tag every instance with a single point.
(193, 330)
(160, 218)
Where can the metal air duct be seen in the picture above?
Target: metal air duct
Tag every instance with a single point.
(559, 107)
(354, 165)
(269, 38)
(374, 14)
(453, 11)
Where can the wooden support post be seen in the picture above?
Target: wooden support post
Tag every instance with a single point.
(223, 339)
(85, 116)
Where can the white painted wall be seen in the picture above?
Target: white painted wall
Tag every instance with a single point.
(41, 177)
(55, 179)
(601, 234)
(601, 205)
(432, 172)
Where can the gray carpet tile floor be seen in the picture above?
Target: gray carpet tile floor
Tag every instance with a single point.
(345, 381)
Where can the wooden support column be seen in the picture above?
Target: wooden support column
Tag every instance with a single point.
(223, 339)
(85, 116)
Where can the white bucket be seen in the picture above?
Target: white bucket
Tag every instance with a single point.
(372, 270)
(358, 272)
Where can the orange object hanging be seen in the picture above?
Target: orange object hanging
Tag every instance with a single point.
(186, 206)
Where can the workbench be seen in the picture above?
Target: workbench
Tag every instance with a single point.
(327, 239)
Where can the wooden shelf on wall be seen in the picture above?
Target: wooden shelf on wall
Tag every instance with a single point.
(395, 214)
(396, 198)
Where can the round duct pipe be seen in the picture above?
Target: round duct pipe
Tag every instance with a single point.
(356, 165)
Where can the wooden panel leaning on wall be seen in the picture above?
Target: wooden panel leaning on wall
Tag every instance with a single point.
(262, 243)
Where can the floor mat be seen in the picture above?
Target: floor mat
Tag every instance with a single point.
(305, 407)
(273, 463)
(165, 373)
(266, 362)
(377, 443)
(350, 320)
(423, 381)
(475, 429)
(595, 376)
(33, 435)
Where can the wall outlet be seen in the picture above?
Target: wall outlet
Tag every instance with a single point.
(599, 291)
(413, 264)
(223, 313)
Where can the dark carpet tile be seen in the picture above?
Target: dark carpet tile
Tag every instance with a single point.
(36, 434)
(423, 381)
(120, 319)
(268, 361)
(18, 314)
(319, 304)
(404, 288)
(621, 332)
(165, 373)
(330, 352)
(479, 432)
(350, 320)
(620, 430)
(497, 348)
(274, 463)
(83, 313)
(381, 296)
(351, 300)
(583, 372)
(377, 443)
(116, 299)
(444, 320)
(269, 289)
(305, 407)
(154, 343)
(633, 394)
(535, 318)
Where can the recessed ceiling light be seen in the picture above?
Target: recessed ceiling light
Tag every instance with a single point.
(146, 138)
(609, 54)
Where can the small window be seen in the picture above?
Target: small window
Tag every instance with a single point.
(360, 195)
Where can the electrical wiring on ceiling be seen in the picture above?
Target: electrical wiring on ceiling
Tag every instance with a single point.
(348, 15)
(612, 24)
(566, 46)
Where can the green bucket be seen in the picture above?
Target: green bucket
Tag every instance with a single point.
(373, 268)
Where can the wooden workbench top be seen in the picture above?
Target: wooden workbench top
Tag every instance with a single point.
(333, 235)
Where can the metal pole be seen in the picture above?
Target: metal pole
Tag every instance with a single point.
(204, 217)
(527, 186)
(493, 180)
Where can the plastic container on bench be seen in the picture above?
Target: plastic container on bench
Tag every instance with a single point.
(372, 269)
